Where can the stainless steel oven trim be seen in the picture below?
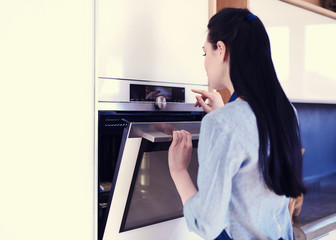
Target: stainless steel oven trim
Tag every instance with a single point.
(122, 185)
(147, 106)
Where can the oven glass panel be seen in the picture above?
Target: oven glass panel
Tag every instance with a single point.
(150, 93)
(153, 197)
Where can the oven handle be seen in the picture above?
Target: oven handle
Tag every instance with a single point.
(162, 131)
(163, 137)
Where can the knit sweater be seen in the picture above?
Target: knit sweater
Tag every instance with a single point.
(232, 194)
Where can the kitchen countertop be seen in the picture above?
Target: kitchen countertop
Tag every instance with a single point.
(318, 214)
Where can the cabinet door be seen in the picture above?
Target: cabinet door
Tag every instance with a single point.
(152, 40)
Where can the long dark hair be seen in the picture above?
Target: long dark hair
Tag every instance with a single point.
(254, 80)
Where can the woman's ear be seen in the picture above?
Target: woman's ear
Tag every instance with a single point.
(222, 49)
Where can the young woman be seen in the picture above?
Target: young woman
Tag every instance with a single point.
(249, 150)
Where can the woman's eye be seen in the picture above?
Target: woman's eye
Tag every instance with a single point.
(204, 54)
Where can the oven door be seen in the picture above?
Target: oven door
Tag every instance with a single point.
(144, 203)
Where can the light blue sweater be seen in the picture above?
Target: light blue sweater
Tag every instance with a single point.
(232, 194)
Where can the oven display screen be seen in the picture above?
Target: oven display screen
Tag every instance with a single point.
(150, 93)
(153, 197)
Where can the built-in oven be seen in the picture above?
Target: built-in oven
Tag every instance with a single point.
(137, 198)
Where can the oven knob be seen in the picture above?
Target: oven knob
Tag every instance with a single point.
(160, 102)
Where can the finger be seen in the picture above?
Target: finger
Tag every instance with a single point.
(184, 133)
(205, 106)
(185, 138)
(175, 139)
(200, 91)
(180, 137)
(196, 103)
(205, 94)
(189, 139)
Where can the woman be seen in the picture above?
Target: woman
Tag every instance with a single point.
(249, 150)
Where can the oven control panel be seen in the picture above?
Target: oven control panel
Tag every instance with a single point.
(158, 94)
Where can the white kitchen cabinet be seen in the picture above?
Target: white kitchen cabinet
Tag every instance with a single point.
(152, 40)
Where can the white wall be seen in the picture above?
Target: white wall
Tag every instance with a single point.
(303, 48)
(47, 119)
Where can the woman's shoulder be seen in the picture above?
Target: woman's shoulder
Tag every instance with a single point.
(234, 119)
(234, 112)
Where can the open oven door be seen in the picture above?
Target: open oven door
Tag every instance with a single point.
(144, 203)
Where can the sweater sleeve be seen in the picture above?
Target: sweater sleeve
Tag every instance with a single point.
(220, 156)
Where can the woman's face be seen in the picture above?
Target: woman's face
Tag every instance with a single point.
(216, 65)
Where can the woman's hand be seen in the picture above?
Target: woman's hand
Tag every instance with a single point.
(179, 153)
(179, 156)
(215, 100)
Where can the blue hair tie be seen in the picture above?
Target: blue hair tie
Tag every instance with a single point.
(250, 17)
